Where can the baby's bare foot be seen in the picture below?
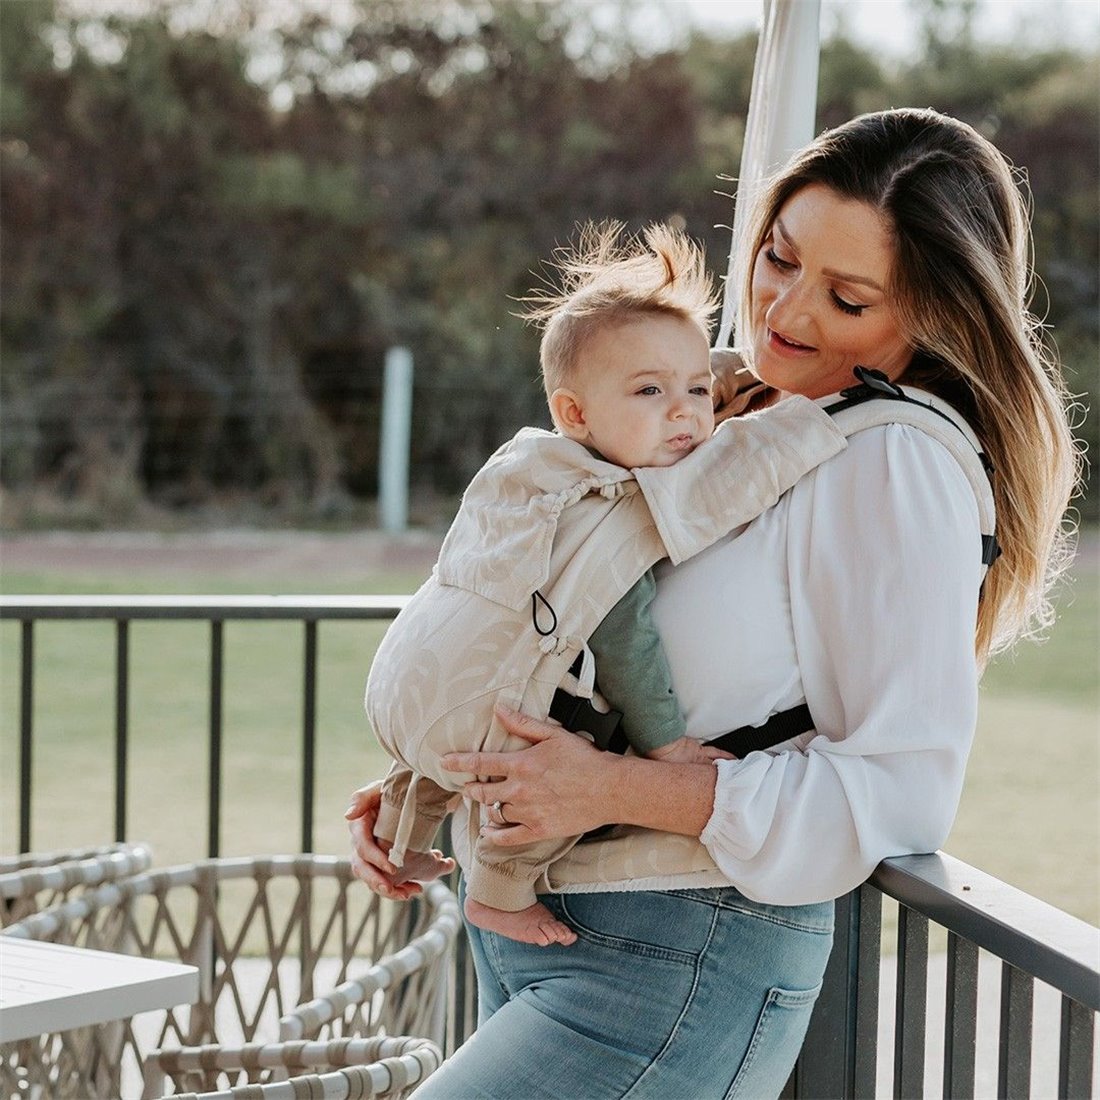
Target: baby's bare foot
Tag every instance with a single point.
(535, 924)
(424, 867)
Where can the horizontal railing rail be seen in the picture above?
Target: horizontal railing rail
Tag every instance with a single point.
(1033, 940)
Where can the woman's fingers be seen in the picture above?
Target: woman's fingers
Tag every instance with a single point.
(361, 817)
(717, 754)
(380, 884)
(500, 765)
(367, 849)
(365, 799)
(523, 725)
(508, 836)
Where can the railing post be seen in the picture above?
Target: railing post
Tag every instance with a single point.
(309, 733)
(1014, 1063)
(839, 1055)
(26, 733)
(214, 808)
(122, 722)
(911, 1005)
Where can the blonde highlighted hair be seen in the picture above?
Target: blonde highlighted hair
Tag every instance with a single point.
(609, 277)
(960, 284)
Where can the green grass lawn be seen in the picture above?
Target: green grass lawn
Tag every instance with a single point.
(1029, 813)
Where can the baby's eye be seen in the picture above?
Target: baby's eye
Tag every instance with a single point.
(649, 391)
(700, 391)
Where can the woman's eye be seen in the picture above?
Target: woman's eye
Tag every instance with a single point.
(773, 258)
(848, 307)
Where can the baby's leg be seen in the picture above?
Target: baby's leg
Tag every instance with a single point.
(500, 892)
(535, 924)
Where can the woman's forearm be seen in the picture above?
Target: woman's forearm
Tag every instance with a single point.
(655, 794)
(562, 786)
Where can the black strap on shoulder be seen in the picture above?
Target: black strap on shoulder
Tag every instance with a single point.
(874, 385)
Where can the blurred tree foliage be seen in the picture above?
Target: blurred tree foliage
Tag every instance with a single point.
(212, 231)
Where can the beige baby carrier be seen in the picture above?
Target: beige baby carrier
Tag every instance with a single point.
(509, 625)
(547, 540)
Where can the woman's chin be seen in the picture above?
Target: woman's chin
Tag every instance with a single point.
(805, 378)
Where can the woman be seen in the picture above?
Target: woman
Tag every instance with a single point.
(897, 241)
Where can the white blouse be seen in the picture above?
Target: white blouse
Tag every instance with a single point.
(856, 593)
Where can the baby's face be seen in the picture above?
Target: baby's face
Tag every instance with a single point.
(644, 391)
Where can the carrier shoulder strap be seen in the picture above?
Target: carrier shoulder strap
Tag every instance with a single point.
(877, 401)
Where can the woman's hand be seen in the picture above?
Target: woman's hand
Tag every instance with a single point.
(370, 860)
(561, 786)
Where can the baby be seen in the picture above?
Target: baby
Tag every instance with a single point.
(538, 591)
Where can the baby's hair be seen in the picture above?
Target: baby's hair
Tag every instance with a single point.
(611, 278)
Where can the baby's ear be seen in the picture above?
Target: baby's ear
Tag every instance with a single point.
(568, 414)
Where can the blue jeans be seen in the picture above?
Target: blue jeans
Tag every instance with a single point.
(677, 995)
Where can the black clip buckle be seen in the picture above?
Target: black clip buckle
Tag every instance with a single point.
(579, 715)
(874, 381)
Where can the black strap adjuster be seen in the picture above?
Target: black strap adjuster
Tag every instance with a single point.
(577, 715)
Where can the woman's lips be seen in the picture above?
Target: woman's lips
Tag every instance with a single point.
(784, 345)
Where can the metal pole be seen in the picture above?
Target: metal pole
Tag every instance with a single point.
(393, 457)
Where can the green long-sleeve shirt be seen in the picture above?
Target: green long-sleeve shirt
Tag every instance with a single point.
(632, 670)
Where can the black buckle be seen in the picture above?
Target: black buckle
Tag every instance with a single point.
(873, 382)
(579, 715)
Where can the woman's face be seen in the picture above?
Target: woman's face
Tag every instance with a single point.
(819, 301)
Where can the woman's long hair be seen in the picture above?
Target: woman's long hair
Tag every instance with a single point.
(960, 284)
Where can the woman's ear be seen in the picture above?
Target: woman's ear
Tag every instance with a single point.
(568, 414)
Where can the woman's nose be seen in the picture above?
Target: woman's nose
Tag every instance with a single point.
(789, 306)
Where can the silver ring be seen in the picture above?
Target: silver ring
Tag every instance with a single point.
(498, 808)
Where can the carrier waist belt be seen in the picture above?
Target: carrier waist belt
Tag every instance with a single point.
(579, 715)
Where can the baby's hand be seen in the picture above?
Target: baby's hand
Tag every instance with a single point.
(686, 750)
(733, 383)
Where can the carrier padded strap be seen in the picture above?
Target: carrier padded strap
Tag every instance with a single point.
(877, 401)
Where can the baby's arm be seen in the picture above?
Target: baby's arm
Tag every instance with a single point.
(634, 676)
(416, 859)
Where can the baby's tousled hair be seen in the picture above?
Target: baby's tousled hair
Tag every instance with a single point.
(610, 278)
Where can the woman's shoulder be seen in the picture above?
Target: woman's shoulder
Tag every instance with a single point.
(885, 456)
(894, 489)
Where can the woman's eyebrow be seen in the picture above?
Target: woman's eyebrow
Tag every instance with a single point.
(843, 276)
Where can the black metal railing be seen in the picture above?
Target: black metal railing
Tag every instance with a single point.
(1033, 941)
(309, 611)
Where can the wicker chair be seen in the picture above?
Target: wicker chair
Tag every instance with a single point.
(39, 880)
(266, 934)
(383, 1066)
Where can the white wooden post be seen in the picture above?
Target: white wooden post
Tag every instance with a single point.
(393, 452)
(782, 107)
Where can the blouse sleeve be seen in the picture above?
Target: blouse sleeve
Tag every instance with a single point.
(883, 556)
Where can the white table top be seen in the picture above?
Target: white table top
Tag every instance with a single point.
(46, 987)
